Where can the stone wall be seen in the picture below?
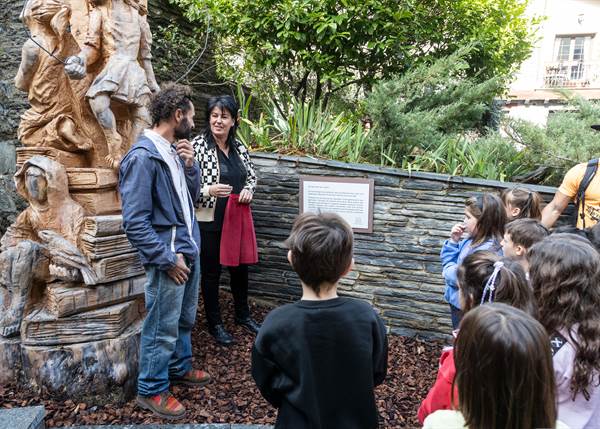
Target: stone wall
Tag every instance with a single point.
(397, 267)
(13, 102)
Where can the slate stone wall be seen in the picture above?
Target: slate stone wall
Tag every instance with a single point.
(12, 104)
(397, 267)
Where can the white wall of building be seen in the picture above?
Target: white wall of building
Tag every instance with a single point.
(532, 113)
(563, 17)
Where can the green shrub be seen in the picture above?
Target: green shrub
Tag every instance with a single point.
(491, 157)
(567, 138)
(306, 129)
(419, 110)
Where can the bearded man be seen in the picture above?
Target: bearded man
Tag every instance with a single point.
(159, 181)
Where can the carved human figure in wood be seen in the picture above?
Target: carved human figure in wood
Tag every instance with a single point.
(119, 36)
(54, 118)
(42, 242)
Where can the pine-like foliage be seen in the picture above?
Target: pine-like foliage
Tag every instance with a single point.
(419, 110)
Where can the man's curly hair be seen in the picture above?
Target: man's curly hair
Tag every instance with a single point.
(171, 97)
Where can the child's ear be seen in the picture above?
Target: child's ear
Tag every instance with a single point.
(350, 267)
(515, 211)
(520, 251)
(289, 257)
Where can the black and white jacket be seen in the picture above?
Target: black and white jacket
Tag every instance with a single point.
(209, 172)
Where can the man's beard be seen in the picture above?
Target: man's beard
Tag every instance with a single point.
(183, 131)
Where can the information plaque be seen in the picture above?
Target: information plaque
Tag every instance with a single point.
(351, 198)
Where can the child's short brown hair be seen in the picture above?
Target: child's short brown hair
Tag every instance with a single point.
(321, 248)
(526, 232)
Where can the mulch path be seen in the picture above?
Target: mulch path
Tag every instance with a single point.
(234, 398)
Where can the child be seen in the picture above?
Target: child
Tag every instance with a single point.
(519, 236)
(521, 202)
(319, 359)
(484, 223)
(503, 373)
(483, 277)
(565, 274)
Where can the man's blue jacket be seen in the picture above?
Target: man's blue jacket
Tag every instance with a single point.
(152, 214)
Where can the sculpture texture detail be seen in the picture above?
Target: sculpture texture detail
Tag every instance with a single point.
(119, 37)
(28, 257)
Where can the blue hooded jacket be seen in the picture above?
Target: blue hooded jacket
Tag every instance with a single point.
(152, 214)
(452, 255)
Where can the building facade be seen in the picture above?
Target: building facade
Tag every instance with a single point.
(566, 56)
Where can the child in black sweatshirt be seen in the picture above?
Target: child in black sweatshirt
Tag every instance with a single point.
(318, 360)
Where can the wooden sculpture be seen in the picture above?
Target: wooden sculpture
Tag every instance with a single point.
(52, 121)
(119, 36)
(71, 285)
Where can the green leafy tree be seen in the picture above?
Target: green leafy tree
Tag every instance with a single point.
(317, 48)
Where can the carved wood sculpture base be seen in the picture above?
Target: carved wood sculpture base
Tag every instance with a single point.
(10, 359)
(97, 372)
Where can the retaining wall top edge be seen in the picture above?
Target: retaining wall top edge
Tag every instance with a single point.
(370, 168)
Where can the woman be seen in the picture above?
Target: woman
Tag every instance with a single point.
(228, 183)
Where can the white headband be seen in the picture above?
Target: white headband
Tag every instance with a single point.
(490, 285)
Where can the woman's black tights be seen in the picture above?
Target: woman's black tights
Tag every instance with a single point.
(210, 276)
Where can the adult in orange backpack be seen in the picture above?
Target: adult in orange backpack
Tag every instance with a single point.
(581, 185)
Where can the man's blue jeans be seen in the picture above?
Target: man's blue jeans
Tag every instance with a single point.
(166, 340)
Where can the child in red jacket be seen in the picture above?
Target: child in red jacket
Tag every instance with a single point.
(482, 277)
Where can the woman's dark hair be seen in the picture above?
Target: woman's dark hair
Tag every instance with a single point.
(171, 97)
(504, 370)
(491, 217)
(510, 284)
(593, 234)
(223, 102)
(570, 229)
(565, 274)
(528, 202)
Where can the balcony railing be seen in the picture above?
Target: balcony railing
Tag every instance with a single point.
(572, 74)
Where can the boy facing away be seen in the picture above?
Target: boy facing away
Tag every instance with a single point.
(318, 360)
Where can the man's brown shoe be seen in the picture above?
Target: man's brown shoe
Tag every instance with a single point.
(164, 405)
(194, 377)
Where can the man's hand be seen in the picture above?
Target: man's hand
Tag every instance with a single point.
(185, 150)
(180, 272)
(245, 196)
(75, 67)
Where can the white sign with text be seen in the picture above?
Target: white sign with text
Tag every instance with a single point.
(352, 199)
